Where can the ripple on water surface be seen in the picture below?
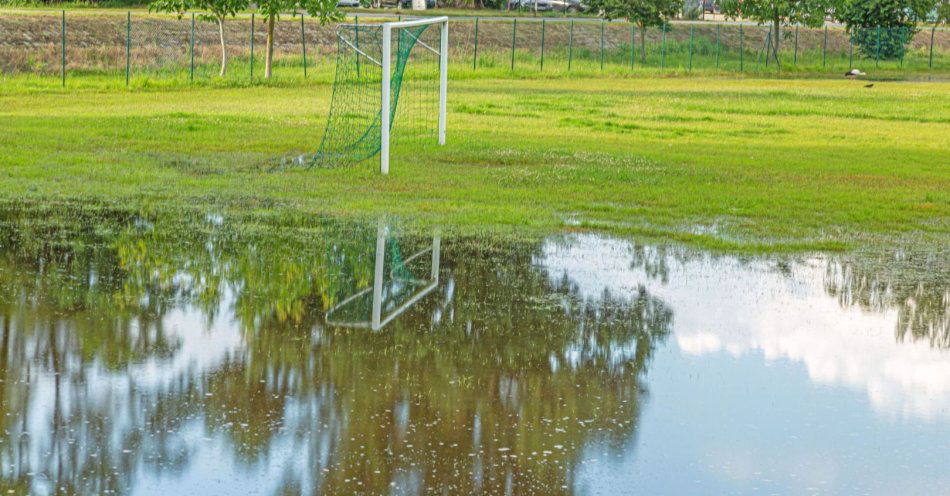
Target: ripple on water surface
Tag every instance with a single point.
(156, 354)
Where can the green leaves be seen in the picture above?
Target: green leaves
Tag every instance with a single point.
(882, 28)
(806, 12)
(324, 10)
(641, 12)
(943, 11)
(218, 9)
(883, 13)
(174, 6)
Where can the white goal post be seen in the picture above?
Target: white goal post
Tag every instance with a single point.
(384, 288)
(386, 63)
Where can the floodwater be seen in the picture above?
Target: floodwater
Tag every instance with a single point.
(222, 355)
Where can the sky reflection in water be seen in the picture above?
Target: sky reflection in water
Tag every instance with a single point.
(144, 356)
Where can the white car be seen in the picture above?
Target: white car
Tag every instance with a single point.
(567, 5)
(542, 5)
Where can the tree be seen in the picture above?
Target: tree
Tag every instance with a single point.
(325, 10)
(777, 13)
(217, 11)
(643, 13)
(943, 11)
(882, 28)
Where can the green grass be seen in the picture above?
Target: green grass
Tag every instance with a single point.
(724, 163)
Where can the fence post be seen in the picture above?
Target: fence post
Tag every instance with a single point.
(633, 40)
(602, 24)
(718, 27)
(356, 36)
(303, 44)
(128, 45)
(663, 48)
(252, 47)
(932, 31)
(795, 57)
(192, 49)
(570, 47)
(690, 48)
(824, 49)
(877, 55)
(741, 50)
(514, 32)
(542, 45)
(475, 53)
(63, 42)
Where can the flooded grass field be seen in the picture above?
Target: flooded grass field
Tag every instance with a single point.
(147, 352)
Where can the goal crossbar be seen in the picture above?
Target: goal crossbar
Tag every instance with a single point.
(386, 96)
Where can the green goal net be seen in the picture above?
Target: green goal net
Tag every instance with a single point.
(353, 130)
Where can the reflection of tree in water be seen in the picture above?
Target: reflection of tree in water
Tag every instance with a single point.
(916, 283)
(500, 380)
(502, 383)
(58, 314)
(274, 269)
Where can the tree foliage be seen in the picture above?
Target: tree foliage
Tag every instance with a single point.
(943, 11)
(883, 13)
(883, 28)
(325, 10)
(806, 12)
(778, 13)
(211, 10)
(643, 13)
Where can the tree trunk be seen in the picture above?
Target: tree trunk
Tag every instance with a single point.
(224, 50)
(777, 37)
(269, 55)
(777, 34)
(643, 43)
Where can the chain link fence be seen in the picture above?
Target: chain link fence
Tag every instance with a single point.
(75, 44)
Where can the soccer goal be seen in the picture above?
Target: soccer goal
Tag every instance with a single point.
(385, 73)
(399, 282)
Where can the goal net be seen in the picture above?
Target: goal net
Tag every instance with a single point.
(386, 74)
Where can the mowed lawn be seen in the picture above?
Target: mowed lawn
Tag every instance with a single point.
(737, 164)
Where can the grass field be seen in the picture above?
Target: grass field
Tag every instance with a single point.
(733, 164)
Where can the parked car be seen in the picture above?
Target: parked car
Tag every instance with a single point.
(711, 6)
(352, 4)
(568, 5)
(542, 5)
(407, 4)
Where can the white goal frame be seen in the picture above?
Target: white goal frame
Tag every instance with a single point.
(386, 64)
(377, 320)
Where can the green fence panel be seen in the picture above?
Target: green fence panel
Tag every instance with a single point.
(130, 45)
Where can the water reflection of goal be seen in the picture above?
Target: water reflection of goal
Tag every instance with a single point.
(396, 287)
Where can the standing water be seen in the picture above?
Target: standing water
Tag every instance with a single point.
(226, 355)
